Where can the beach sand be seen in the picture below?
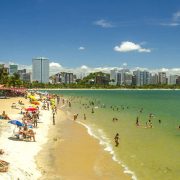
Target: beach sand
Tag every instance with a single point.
(72, 154)
(21, 154)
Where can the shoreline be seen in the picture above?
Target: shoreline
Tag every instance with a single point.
(71, 145)
(100, 89)
(108, 148)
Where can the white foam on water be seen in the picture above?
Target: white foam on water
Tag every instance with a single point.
(103, 140)
(21, 154)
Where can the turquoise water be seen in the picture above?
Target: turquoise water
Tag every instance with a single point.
(151, 153)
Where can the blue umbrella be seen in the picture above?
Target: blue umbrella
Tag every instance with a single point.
(16, 122)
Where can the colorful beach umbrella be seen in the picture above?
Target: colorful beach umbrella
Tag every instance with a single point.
(15, 122)
(31, 109)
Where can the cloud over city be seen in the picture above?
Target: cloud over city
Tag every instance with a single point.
(127, 46)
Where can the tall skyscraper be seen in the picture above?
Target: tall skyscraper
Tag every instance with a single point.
(40, 69)
(139, 77)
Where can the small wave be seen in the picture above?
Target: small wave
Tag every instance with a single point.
(108, 147)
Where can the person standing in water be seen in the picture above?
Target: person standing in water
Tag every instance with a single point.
(116, 139)
(137, 121)
(84, 116)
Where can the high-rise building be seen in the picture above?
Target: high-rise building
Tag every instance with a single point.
(113, 74)
(154, 79)
(138, 77)
(162, 78)
(40, 69)
(13, 69)
(146, 77)
(127, 78)
(172, 79)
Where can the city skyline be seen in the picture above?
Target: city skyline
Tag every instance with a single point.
(91, 34)
(56, 68)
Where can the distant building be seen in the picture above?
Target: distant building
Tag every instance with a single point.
(13, 69)
(127, 78)
(66, 78)
(172, 79)
(162, 78)
(24, 76)
(154, 79)
(113, 75)
(21, 71)
(102, 79)
(141, 78)
(63, 78)
(178, 80)
(146, 78)
(118, 78)
(139, 81)
(40, 70)
(122, 77)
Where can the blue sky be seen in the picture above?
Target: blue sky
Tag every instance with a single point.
(96, 33)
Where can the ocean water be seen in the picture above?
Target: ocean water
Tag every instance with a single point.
(146, 153)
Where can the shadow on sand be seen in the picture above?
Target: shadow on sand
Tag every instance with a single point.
(14, 139)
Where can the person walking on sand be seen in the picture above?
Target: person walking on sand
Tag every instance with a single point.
(54, 123)
(34, 119)
(116, 139)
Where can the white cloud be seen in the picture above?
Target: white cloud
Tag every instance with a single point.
(176, 16)
(81, 48)
(56, 65)
(124, 64)
(171, 24)
(174, 21)
(84, 67)
(128, 46)
(103, 23)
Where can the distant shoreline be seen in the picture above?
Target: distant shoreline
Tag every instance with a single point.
(36, 89)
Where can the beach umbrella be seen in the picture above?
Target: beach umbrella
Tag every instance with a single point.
(15, 122)
(31, 109)
(33, 98)
(35, 102)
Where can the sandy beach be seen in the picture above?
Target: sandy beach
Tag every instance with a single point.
(72, 154)
(21, 154)
(61, 151)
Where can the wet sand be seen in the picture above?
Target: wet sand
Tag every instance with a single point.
(72, 154)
